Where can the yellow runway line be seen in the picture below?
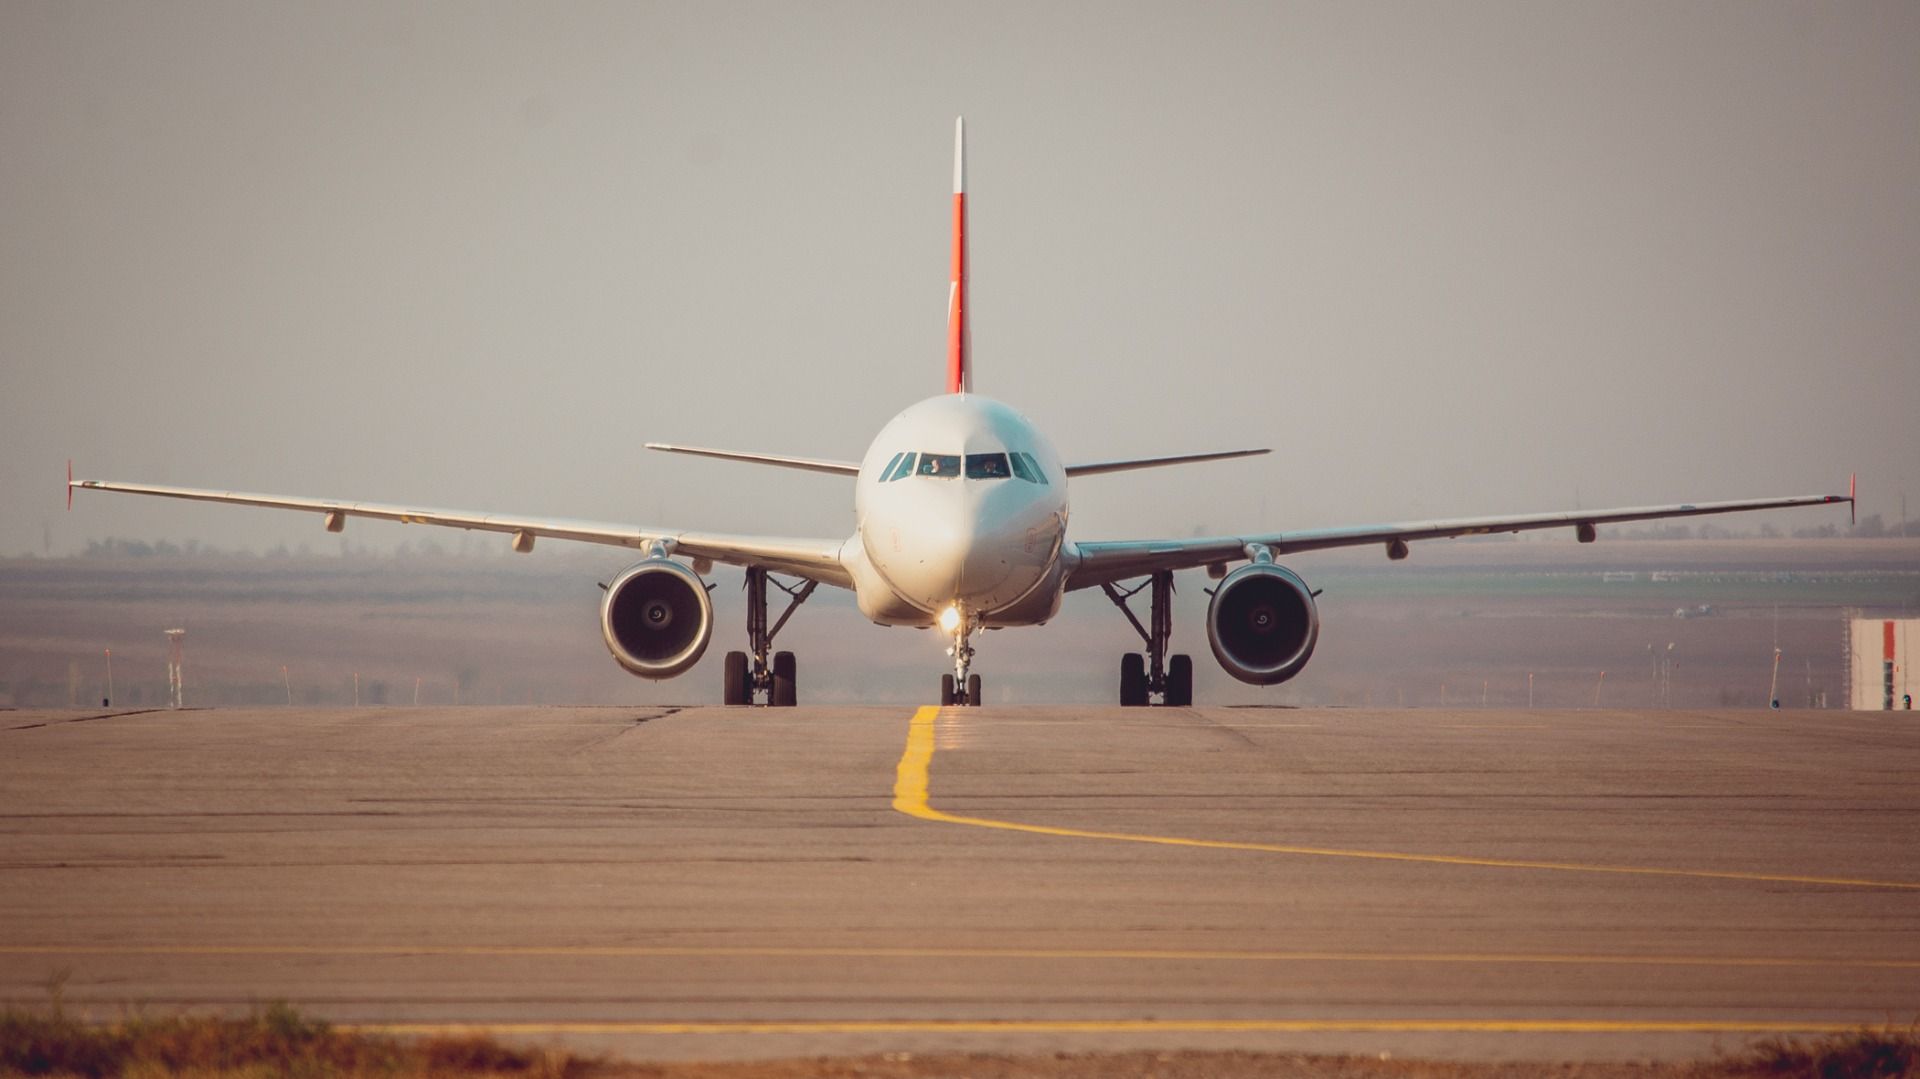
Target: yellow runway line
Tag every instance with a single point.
(910, 797)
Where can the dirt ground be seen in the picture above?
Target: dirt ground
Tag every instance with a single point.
(1190, 1065)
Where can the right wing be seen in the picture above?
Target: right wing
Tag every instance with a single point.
(1106, 562)
(812, 559)
(1097, 468)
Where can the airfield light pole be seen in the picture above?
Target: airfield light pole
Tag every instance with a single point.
(1666, 678)
(1597, 687)
(1773, 691)
(288, 682)
(1529, 689)
(107, 701)
(176, 664)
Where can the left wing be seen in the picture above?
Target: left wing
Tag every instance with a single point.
(807, 464)
(813, 559)
(1102, 563)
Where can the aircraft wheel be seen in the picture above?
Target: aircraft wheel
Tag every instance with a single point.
(786, 690)
(946, 690)
(1180, 681)
(973, 690)
(1133, 680)
(733, 679)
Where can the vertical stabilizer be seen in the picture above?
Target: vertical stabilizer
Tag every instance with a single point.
(959, 331)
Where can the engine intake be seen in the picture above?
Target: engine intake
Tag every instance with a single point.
(1263, 624)
(656, 618)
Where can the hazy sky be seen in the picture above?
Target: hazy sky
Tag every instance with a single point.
(1444, 258)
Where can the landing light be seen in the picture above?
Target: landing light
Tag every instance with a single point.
(950, 619)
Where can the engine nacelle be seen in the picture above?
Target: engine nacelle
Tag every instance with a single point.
(1263, 624)
(656, 618)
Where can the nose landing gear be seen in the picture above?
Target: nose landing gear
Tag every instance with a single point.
(1142, 676)
(961, 687)
(747, 675)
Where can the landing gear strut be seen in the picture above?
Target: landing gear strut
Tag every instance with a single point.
(961, 687)
(1154, 673)
(748, 675)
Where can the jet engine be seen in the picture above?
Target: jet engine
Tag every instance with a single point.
(1262, 624)
(656, 618)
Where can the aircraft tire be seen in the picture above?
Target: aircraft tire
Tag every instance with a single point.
(1180, 681)
(1133, 680)
(973, 691)
(786, 680)
(733, 679)
(946, 690)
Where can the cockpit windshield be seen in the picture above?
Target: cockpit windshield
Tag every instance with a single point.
(977, 466)
(944, 465)
(987, 466)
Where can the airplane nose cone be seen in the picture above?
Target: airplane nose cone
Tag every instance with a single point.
(943, 557)
(925, 557)
(962, 543)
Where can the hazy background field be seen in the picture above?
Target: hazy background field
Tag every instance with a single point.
(1470, 620)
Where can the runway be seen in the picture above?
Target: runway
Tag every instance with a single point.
(714, 883)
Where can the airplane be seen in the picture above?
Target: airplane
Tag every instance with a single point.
(960, 524)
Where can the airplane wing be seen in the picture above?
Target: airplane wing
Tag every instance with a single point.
(812, 559)
(1106, 562)
(809, 464)
(1157, 462)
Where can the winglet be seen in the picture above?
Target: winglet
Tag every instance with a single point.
(959, 331)
(69, 485)
(1853, 511)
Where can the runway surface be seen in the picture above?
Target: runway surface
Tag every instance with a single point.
(729, 883)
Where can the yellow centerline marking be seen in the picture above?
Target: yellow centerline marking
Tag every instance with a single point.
(910, 797)
(1064, 954)
(1128, 1026)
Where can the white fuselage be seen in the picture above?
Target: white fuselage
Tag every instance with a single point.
(960, 503)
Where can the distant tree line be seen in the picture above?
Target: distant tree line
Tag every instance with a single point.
(1873, 526)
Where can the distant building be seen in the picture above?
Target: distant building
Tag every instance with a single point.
(1878, 661)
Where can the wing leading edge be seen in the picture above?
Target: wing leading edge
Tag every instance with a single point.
(1100, 467)
(805, 464)
(1105, 562)
(813, 559)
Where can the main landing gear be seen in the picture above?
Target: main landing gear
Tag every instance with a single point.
(960, 687)
(1142, 676)
(747, 675)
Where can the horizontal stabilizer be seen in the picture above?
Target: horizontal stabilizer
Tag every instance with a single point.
(1158, 462)
(809, 464)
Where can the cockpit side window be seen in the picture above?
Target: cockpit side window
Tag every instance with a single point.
(1039, 476)
(987, 466)
(902, 467)
(944, 465)
(1020, 468)
(887, 472)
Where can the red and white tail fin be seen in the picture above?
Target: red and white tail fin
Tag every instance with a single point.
(959, 331)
